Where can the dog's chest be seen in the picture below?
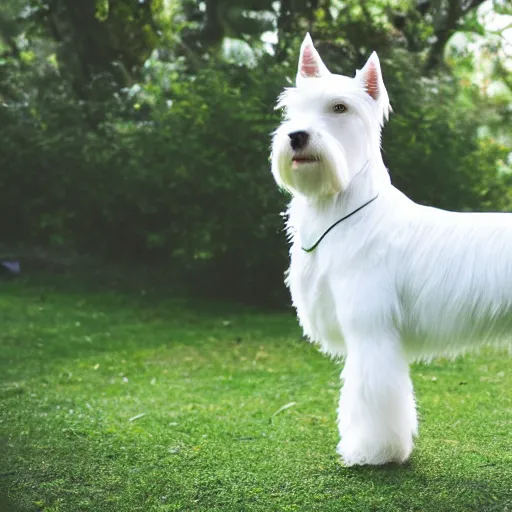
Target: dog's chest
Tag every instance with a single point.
(313, 297)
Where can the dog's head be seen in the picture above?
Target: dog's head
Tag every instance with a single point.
(331, 128)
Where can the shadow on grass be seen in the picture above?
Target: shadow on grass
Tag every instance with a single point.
(48, 319)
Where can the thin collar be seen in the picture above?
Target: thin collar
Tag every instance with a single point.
(313, 247)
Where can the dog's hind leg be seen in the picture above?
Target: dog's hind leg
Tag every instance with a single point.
(377, 413)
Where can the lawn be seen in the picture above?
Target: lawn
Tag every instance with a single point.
(114, 401)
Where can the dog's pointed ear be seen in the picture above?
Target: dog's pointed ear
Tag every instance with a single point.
(310, 63)
(371, 76)
(371, 79)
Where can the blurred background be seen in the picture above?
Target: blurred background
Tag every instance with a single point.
(137, 133)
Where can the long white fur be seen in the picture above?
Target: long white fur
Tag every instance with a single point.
(394, 283)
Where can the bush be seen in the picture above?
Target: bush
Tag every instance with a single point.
(432, 145)
(190, 185)
(176, 171)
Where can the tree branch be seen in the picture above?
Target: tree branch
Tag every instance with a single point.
(447, 26)
(444, 30)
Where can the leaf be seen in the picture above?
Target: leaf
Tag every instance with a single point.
(283, 408)
(133, 418)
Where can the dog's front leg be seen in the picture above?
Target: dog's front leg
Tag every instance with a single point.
(377, 414)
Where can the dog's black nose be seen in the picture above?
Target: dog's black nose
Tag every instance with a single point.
(298, 140)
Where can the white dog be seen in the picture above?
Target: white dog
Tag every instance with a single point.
(374, 277)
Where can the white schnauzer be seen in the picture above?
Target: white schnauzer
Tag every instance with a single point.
(374, 277)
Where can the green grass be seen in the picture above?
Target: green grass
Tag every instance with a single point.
(118, 402)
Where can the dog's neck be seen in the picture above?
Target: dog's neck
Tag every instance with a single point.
(309, 218)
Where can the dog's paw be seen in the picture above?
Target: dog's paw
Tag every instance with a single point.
(362, 452)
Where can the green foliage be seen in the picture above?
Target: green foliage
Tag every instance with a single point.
(433, 146)
(165, 158)
(189, 183)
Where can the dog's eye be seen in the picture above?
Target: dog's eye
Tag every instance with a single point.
(339, 108)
